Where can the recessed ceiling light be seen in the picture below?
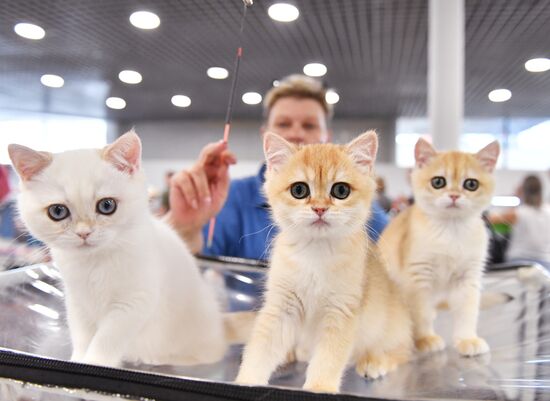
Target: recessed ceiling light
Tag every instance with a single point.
(538, 65)
(283, 12)
(117, 103)
(130, 77)
(315, 69)
(276, 83)
(181, 101)
(500, 95)
(252, 98)
(145, 20)
(332, 97)
(217, 73)
(53, 81)
(29, 31)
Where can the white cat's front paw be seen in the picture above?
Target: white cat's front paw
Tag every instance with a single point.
(471, 346)
(77, 356)
(431, 343)
(100, 360)
(249, 379)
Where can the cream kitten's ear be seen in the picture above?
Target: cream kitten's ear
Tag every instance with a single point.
(363, 150)
(124, 153)
(488, 156)
(277, 151)
(423, 152)
(28, 162)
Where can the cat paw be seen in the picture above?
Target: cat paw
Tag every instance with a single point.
(321, 387)
(377, 366)
(432, 343)
(471, 346)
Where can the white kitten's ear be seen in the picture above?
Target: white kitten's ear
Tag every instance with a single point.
(124, 153)
(277, 151)
(28, 162)
(488, 156)
(423, 152)
(363, 150)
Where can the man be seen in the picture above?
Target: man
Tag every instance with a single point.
(297, 110)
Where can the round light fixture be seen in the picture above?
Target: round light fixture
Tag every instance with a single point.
(315, 69)
(283, 12)
(130, 77)
(538, 65)
(500, 95)
(331, 97)
(145, 20)
(217, 73)
(181, 101)
(276, 83)
(252, 98)
(29, 31)
(51, 80)
(116, 103)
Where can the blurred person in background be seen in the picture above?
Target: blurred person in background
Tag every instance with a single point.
(296, 110)
(7, 206)
(383, 200)
(530, 225)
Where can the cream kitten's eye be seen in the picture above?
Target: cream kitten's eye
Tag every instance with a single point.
(299, 190)
(438, 182)
(58, 212)
(471, 184)
(340, 190)
(106, 206)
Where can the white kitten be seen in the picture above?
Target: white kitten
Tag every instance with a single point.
(133, 291)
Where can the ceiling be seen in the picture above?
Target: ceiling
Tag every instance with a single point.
(375, 51)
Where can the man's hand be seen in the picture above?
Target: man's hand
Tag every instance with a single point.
(199, 193)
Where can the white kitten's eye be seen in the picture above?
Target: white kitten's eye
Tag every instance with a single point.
(438, 182)
(58, 212)
(299, 190)
(340, 190)
(106, 206)
(471, 184)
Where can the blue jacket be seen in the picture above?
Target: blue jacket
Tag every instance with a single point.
(244, 227)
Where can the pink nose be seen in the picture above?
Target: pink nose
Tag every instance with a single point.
(84, 235)
(454, 197)
(319, 210)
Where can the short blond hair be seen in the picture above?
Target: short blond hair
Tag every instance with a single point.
(298, 86)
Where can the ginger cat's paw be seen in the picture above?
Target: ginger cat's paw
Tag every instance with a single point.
(431, 343)
(321, 387)
(472, 346)
(375, 366)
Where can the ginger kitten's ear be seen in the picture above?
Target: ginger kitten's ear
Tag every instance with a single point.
(363, 150)
(124, 153)
(423, 152)
(28, 162)
(277, 151)
(488, 156)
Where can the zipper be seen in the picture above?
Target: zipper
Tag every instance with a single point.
(65, 374)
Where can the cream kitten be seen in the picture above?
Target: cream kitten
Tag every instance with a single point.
(436, 249)
(133, 291)
(327, 293)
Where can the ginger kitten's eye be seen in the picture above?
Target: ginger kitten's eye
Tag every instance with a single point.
(58, 212)
(471, 184)
(340, 190)
(299, 190)
(106, 206)
(438, 182)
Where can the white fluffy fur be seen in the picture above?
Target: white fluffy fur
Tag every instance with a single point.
(134, 292)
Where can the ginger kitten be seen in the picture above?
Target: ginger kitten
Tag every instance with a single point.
(327, 294)
(436, 249)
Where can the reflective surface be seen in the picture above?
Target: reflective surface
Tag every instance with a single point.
(518, 368)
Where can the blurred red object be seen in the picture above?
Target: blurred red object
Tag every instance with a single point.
(4, 183)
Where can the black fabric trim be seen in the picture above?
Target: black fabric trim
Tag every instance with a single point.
(51, 372)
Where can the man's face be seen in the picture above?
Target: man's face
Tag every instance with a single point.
(300, 121)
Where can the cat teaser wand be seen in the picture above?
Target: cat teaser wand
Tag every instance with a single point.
(229, 112)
